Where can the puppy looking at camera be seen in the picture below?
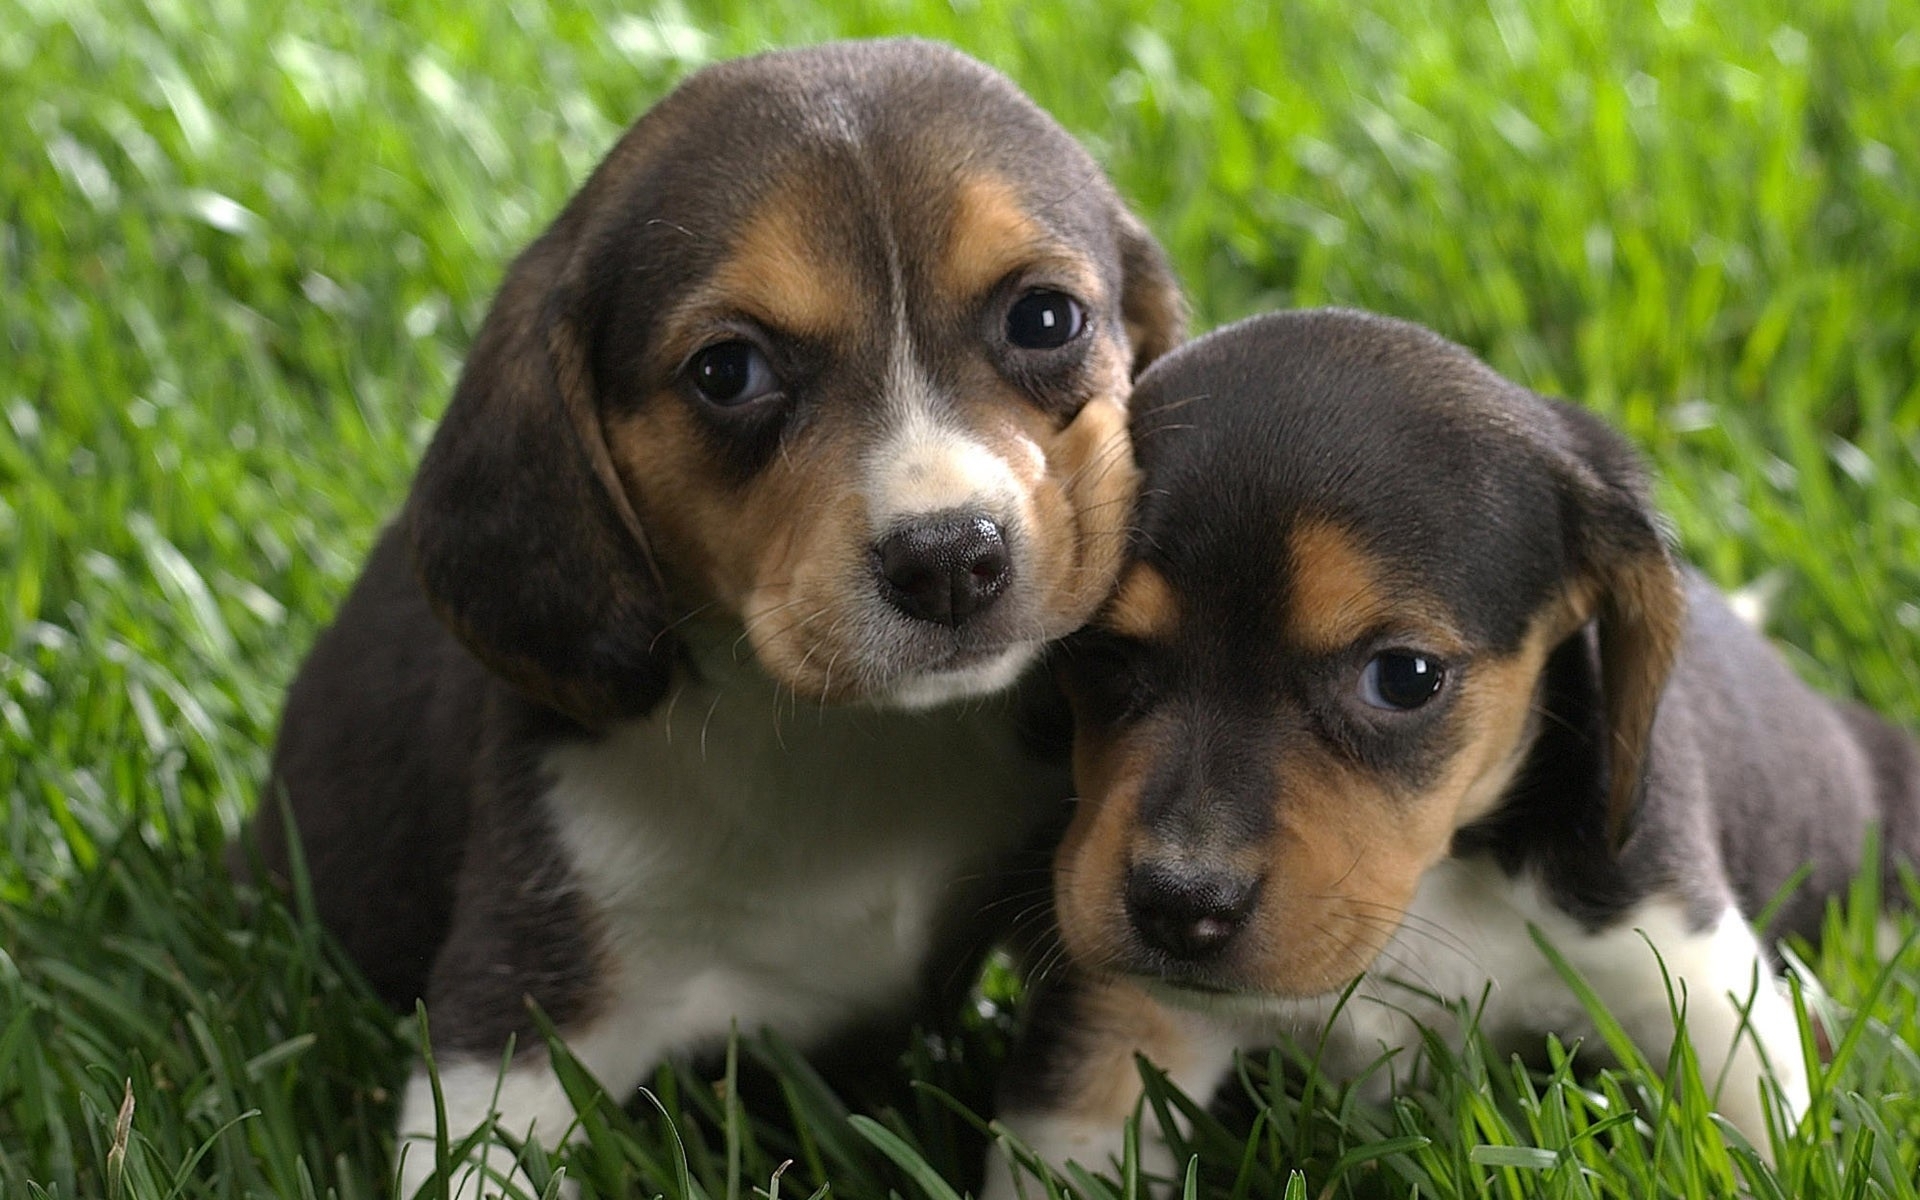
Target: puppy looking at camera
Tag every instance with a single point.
(1401, 665)
(804, 421)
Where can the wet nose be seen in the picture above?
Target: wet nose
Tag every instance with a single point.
(1190, 913)
(944, 569)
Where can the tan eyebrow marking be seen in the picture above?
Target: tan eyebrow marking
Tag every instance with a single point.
(779, 273)
(991, 234)
(1337, 590)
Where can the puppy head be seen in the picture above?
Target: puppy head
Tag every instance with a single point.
(1357, 547)
(835, 346)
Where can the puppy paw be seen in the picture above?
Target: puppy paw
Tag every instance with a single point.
(1057, 1140)
(492, 1175)
(525, 1101)
(1093, 456)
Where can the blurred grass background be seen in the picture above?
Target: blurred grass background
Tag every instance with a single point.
(244, 243)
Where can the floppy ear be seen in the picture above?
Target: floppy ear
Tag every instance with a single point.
(1151, 303)
(524, 540)
(1637, 600)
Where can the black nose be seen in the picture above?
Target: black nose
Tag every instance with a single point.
(1190, 913)
(943, 569)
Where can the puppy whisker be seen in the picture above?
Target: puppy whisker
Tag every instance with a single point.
(1177, 405)
(1396, 917)
(675, 226)
(708, 722)
(748, 627)
(1401, 953)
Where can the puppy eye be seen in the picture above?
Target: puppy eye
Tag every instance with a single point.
(1044, 320)
(730, 374)
(1400, 680)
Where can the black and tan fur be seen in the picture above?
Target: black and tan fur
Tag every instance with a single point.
(642, 708)
(1609, 751)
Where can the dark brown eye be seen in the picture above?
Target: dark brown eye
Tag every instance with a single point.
(1044, 320)
(729, 374)
(1400, 680)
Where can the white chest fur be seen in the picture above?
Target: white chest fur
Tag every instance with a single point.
(755, 865)
(1467, 938)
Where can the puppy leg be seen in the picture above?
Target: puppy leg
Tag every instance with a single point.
(1738, 1020)
(1075, 1081)
(527, 1100)
(533, 944)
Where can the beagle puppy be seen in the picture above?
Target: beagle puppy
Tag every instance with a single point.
(1399, 667)
(804, 423)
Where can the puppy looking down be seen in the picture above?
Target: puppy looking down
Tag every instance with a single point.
(803, 421)
(1401, 665)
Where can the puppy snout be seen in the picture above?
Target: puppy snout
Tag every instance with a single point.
(944, 569)
(1190, 913)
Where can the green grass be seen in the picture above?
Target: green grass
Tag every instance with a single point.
(243, 244)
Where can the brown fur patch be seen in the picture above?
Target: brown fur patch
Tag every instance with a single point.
(1339, 593)
(1643, 613)
(1114, 1021)
(1498, 712)
(1079, 482)
(1144, 606)
(779, 274)
(1090, 867)
(782, 553)
(1091, 463)
(1344, 862)
(663, 471)
(990, 236)
(1152, 306)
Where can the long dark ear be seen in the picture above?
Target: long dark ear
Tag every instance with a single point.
(1151, 303)
(1637, 600)
(525, 541)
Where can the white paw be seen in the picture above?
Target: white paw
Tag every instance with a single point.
(493, 1175)
(1096, 1146)
(530, 1105)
